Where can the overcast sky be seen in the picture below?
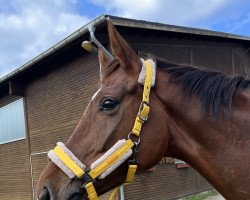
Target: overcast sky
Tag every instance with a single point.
(29, 27)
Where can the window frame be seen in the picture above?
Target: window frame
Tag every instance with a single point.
(25, 125)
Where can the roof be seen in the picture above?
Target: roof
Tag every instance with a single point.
(126, 23)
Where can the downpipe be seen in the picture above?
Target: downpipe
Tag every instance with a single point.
(121, 193)
(87, 45)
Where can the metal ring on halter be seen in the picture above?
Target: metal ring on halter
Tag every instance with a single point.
(140, 109)
(138, 138)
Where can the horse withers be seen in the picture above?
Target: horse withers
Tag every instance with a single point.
(196, 115)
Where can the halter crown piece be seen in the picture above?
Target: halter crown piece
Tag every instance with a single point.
(117, 154)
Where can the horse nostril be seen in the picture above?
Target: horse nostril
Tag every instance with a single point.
(44, 194)
(76, 196)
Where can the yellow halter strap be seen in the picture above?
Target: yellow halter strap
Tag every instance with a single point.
(141, 117)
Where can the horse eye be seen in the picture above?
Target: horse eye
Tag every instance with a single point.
(108, 104)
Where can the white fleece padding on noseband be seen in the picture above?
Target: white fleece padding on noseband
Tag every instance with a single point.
(142, 74)
(54, 158)
(116, 164)
(71, 155)
(107, 154)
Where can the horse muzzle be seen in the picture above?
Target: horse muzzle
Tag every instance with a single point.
(74, 191)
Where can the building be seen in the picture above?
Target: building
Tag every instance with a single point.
(43, 100)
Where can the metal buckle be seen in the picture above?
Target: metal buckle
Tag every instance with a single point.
(140, 109)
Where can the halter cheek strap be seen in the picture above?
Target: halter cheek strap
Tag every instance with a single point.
(120, 152)
(142, 75)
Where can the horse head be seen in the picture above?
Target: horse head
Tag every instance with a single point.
(108, 118)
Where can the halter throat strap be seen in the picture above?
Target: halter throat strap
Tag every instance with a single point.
(73, 167)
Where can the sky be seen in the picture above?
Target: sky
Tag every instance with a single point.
(29, 27)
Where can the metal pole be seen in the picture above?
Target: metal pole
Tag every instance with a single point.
(121, 193)
(93, 38)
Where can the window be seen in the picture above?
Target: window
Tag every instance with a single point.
(12, 122)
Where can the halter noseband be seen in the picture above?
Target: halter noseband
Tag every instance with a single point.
(115, 156)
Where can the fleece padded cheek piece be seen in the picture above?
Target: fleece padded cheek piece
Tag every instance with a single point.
(107, 155)
(142, 75)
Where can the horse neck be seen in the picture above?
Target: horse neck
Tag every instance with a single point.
(201, 139)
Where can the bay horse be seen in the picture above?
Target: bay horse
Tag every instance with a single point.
(196, 115)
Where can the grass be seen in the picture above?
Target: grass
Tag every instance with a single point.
(201, 196)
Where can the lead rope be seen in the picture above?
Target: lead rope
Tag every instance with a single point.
(69, 163)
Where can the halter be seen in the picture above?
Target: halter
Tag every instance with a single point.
(120, 152)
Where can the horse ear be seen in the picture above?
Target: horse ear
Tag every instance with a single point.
(103, 60)
(121, 50)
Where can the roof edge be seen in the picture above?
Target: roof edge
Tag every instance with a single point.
(99, 20)
(172, 28)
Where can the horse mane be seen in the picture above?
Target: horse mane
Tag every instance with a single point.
(214, 89)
